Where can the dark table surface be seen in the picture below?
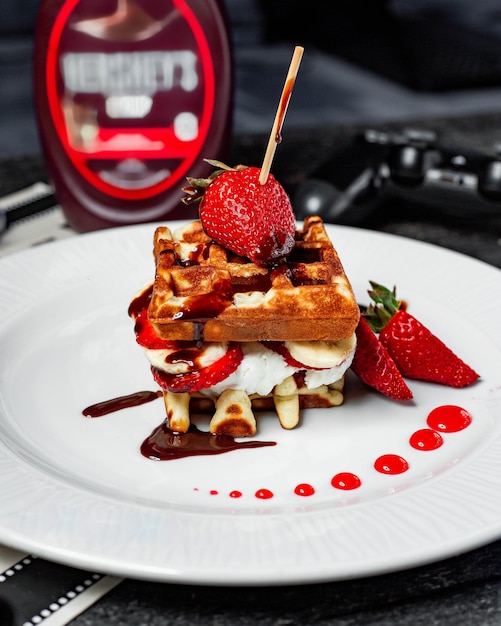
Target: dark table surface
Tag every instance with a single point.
(463, 589)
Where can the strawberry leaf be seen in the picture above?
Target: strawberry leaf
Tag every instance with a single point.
(197, 186)
(385, 305)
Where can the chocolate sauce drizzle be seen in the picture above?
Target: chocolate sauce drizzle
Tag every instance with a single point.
(163, 444)
(123, 402)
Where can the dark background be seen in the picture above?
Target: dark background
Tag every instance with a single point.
(365, 62)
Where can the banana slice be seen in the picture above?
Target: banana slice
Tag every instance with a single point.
(322, 354)
(178, 360)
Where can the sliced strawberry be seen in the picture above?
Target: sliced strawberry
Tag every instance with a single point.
(375, 367)
(203, 378)
(145, 333)
(251, 219)
(418, 353)
(146, 336)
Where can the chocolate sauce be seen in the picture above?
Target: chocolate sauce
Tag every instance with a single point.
(140, 302)
(203, 307)
(284, 103)
(198, 333)
(122, 402)
(201, 249)
(165, 445)
(179, 383)
(187, 355)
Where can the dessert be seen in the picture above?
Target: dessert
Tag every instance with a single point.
(228, 336)
(246, 313)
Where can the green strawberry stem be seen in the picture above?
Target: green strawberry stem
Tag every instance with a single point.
(384, 307)
(197, 186)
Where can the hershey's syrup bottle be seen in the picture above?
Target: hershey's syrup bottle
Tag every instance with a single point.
(131, 96)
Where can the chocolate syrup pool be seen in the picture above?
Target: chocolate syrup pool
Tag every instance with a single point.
(166, 445)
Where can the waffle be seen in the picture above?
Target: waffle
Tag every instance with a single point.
(204, 292)
(232, 413)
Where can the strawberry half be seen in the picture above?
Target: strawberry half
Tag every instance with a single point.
(204, 378)
(250, 219)
(375, 367)
(417, 352)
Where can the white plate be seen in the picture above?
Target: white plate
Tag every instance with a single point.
(78, 491)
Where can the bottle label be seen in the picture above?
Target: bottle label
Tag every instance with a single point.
(131, 90)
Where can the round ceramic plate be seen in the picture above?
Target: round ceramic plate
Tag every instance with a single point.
(345, 494)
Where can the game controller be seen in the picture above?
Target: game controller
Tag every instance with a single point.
(407, 166)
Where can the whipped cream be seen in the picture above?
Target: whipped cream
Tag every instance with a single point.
(261, 369)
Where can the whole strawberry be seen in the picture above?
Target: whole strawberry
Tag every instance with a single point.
(250, 219)
(375, 367)
(417, 352)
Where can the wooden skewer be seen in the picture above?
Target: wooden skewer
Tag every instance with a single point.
(276, 130)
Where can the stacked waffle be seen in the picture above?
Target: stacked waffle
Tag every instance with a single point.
(229, 337)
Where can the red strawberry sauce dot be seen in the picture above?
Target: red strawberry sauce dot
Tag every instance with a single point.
(449, 419)
(346, 481)
(264, 494)
(446, 419)
(426, 439)
(391, 464)
(304, 490)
